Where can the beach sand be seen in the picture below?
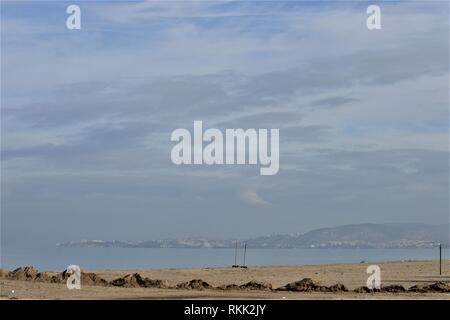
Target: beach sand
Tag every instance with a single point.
(405, 273)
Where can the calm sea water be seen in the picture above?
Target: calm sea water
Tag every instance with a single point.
(58, 258)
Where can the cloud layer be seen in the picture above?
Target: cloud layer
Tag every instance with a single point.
(87, 117)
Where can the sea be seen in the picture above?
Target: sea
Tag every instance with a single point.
(54, 258)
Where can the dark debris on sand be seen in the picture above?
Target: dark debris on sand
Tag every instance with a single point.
(136, 281)
(29, 273)
(308, 285)
(196, 284)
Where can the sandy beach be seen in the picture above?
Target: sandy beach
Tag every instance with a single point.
(255, 282)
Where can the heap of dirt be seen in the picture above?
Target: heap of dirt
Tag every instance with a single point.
(394, 288)
(441, 287)
(30, 273)
(437, 287)
(306, 285)
(365, 290)
(24, 273)
(338, 287)
(197, 284)
(92, 279)
(251, 285)
(136, 281)
(254, 285)
(59, 278)
(44, 277)
(156, 283)
(228, 287)
(87, 278)
(129, 281)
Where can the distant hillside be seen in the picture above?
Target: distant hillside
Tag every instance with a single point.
(390, 235)
(370, 235)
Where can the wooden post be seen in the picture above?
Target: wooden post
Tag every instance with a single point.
(440, 259)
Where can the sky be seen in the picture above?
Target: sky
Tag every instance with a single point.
(86, 117)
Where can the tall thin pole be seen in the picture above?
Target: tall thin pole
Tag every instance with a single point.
(235, 254)
(440, 259)
(245, 250)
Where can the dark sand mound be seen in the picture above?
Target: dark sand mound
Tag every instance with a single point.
(136, 281)
(23, 273)
(87, 279)
(395, 288)
(129, 281)
(307, 285)
(338, 287)
(59, 278)
(254, 285)
(365, 290)
(30, 273)
(196, 284)
(441, 287)
(228, 287)
(156, 283)
(92, 279)
(44, 277)
(437, 287)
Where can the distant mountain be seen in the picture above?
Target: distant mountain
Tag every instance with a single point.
(370, 235)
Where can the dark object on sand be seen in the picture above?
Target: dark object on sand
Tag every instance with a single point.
(255, 285)
(308, 285)
(365, 290)
(196, 284)
(228, 287)
(136, 281)
(394, 288)
(441, 287)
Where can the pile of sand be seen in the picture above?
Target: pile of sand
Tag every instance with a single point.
(136, 281)
(197, 284)
(254, 285)
(29, 273)
(437, 287)
(156, 283)
(228, 287)
(23, 273)
(440, 287)
(365, 290)
(92, 279)
(129, 281)
(308, 285)
(394, 288)
(339, 287)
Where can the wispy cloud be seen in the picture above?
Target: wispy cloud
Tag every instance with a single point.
(253, 198)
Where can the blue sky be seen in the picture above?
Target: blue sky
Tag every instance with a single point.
(87, 117)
